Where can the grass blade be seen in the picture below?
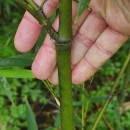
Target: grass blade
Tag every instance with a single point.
(16, 73)
(32, 124)
(19, 60)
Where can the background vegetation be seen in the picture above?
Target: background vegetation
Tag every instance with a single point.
(87, 98)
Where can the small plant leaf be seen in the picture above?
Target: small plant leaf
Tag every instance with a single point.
(40, 41)
(19, 60)
(57, 120)
(31, 121)
(81, 7)
(5, 85)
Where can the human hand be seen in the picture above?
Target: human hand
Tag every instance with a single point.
(97, 37)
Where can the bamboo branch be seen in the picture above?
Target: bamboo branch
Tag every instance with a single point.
(38, 14)
(113, 92)
(104, 118)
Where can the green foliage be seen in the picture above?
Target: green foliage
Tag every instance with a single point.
(13, 117)
(4, 83)
(8, 25)
(125, 120)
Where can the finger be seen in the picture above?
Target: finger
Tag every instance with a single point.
(86, 36)
(45, 60)
(29, 29)
(54, 76)
(104, 47)
(27, 34)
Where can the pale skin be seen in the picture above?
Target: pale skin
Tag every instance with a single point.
(97, 36)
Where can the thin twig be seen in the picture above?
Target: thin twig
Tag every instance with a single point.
(104, 118)
(83, 107)
(114, 89)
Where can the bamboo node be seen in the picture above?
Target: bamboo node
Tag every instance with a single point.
(64, 43)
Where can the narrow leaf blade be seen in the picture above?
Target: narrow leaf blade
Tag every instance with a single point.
(32, 125)
(16, 73)
(81, 7)
(19, 60)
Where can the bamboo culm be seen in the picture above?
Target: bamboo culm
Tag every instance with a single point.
(62, 40)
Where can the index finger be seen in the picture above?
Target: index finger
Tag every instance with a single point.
(29, 29)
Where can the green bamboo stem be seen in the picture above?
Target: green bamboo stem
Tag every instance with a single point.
(64, 71)
(113, 91)
(64, 64)
(63, 46)
(65, 26)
